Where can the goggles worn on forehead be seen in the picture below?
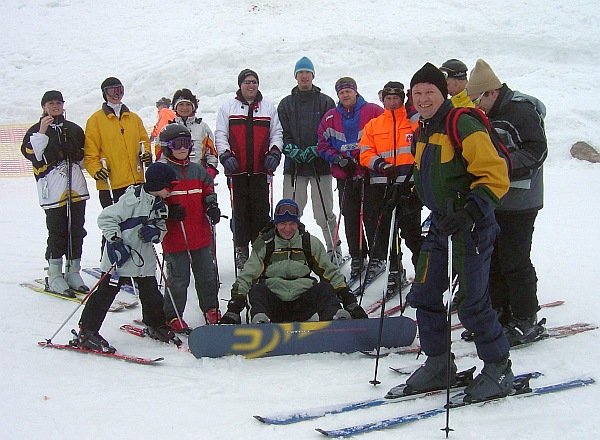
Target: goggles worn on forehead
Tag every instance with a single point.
(178, 143)
(114, 91)
(287, 207)
(393, 91)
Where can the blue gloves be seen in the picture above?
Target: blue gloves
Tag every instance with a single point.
(117, 251)
(229, 162)
(149, 233)
(293, 152)
(272, 159)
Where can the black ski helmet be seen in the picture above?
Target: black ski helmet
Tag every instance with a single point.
(185, 95)
(111, 81)
(170, 132)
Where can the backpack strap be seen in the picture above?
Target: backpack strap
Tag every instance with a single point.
(479, 115)
(269, 238)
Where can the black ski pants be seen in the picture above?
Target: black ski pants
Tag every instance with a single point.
(58, 231)
(100, 301)
(320, 299)
(250, 206)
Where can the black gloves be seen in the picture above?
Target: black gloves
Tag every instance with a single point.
(234, 307)
(177, 212)
(213, 212)
(345, 163)
(117, 251)
(146, 158)
(71, 151)
(102, 174)
(385, 168)
(461, 220)
(350, 304)
(272, 159)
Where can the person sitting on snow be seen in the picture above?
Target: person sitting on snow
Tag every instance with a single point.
(276, 281)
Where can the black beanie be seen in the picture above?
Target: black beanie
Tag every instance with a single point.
(52, 95)
(159, 176)
(399, 89)
(432, 75)
(245, 73)
(111, 81)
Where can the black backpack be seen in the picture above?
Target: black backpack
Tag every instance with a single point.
(452, 132)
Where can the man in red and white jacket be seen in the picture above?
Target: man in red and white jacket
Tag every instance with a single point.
(249, 140)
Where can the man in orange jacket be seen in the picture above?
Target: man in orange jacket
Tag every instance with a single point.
(385, 149)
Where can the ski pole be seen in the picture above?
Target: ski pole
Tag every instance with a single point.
(333, 245)
(448, 330)
(232, 222)
(140, 165)
(112, 202)
(84, 299)
(69, 202)
(270, 177)
(339, 219)
(382, 314)
(167, 288)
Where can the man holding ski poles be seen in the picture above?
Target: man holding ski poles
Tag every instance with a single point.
(462, 190)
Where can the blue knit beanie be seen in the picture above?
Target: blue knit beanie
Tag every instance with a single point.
(159, 176)
(304, 64)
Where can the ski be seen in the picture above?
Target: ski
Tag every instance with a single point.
(550, 333)
(463, 379)
(390, 294)
(40, 289)
(114, 278)
(366, 284)
(124, 357)
(523, 391)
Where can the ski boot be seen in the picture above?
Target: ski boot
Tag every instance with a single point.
(91, 340)
(524, 330)
(495, 380)
(213, 316)
(374, 269)
(179, 326)
(260, 318)
(73, 277)
(55, 281)
(432, 375)
(164, 334)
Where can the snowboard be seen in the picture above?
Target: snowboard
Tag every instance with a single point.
(584, 151)
(262, 340)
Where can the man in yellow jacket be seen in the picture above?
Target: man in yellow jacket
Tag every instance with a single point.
(385, 149)
(116, 134)
(455, 72)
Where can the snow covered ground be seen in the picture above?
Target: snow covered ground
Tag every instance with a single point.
(548, 49)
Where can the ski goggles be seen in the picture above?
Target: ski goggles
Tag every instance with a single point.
(178, 143)
(287, 207)
(114, 91)
(454, 74)
(392, 91)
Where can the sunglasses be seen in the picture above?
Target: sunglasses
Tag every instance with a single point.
(477, 100)
(249, 81)
(178, 143)
(393, 91)
(114, 91)
(287, 207)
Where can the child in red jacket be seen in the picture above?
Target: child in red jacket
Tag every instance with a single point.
(189, 238)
